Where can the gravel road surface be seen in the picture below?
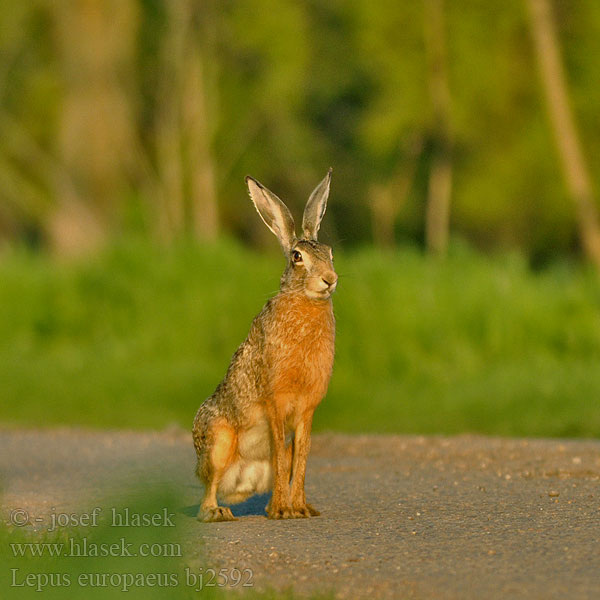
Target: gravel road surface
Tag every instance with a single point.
(402, 517)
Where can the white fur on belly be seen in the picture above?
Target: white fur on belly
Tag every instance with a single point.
(252, 472)
(255, 443)
(245, 478)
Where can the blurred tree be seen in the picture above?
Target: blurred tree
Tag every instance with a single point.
(506, 189)
(566, 136)
(393, 125)
(264, 79)
(437, 216)
(388, 199)
(27, 106)
(186, 120)
(145, 115)
(97, 132)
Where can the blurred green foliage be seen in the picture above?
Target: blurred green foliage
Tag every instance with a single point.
(122, 105)
(140, 336)
(55, 574)
(139, 120)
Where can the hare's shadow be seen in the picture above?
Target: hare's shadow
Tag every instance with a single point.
(255, 506)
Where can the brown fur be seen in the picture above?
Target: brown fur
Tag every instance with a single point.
(301, 350)
(276, 378)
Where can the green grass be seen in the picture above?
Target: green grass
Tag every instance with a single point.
(139, 336)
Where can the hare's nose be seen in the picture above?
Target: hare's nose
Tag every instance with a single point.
(329, 278)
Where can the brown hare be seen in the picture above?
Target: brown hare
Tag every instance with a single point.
(253, 434)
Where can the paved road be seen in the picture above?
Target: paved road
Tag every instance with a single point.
(402, 517)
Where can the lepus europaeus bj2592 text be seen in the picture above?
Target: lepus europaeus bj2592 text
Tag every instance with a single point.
(253, 434)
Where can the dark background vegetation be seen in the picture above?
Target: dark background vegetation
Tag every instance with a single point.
(465, 142)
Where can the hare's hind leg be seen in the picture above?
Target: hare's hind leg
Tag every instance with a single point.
(212, 465)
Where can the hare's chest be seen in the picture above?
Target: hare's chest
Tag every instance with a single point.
(302, 358)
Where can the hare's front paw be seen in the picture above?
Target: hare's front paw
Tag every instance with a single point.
(280, 511)
(218, 513)
(304, 511)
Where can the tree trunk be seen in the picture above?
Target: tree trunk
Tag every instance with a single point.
(437, 217)
(566, 136)
(171, 197)
(199, 113)
(97, 138)
(185, 127)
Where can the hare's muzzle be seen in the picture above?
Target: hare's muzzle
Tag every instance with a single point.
(329, 278)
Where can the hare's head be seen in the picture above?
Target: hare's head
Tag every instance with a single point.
(310, 263)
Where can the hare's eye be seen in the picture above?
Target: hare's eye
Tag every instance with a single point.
(296, 256)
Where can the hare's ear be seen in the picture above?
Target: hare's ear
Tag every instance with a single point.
(315, 208)
(273, 212)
